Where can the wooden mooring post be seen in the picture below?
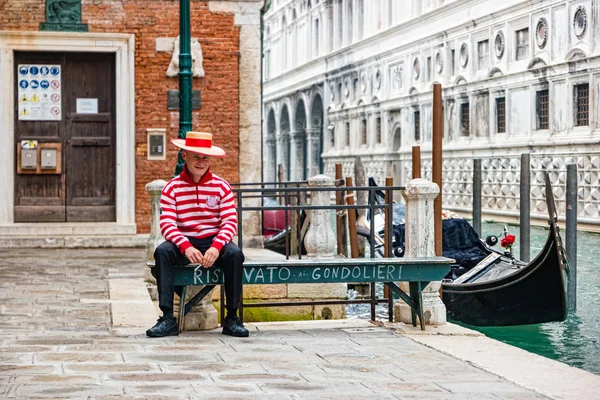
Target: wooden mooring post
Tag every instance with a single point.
(525, 208)
(436, 167)
(341, 217)
(477, 195)
(571, 235)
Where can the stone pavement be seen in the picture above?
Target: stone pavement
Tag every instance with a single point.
(58, 339)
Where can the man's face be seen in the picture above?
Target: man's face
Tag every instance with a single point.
(196, 163)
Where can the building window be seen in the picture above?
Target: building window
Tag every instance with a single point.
(332, 137)
(522, 40)
(317, 37)
(417, 116)
(483, 53)
(464, 119)
(582, 102)
(347, 134)
(541, 106)
(501, 115)
(267, 64)
(363, 131)
(378, 130)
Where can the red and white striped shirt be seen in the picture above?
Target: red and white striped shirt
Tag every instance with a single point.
(197, 210)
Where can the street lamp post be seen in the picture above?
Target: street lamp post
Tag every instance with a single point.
(185, 76)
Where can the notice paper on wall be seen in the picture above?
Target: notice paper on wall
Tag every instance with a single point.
(39, 93)
(87, 106)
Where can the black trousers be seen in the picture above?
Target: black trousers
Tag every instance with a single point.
(167, 255)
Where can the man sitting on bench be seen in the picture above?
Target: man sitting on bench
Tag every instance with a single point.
(198, 220)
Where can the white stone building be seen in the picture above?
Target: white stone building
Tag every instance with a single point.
(353, 78)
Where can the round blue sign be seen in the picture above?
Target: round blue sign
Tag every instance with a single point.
(33, 70)
(23, 84)
(44, 70)
(45, 84)
(23, 70)
(54, 70)
(35, 84)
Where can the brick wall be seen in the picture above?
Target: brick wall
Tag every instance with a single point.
(147, 20)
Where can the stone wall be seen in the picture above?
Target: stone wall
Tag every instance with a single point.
(219, 36)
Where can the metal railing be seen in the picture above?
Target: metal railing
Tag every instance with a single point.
(294, 190)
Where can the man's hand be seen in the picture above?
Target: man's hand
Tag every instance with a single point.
(194, 255)
(210, 257)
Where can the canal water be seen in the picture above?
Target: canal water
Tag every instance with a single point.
(575, 341)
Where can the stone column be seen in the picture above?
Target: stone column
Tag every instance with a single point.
(313, 151)
(320, 242)
(154, 189)
(420, 242)
(297, 156)
(204, 315)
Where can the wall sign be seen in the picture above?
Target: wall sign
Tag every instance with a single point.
(63, 15)
(39, 93)
(87, 106)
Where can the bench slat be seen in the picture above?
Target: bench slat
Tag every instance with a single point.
(266, 274)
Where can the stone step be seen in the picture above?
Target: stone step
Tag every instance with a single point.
(72, 241)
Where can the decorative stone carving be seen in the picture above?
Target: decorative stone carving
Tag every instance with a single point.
(197, 68)
(416, 68)
(499, 44)
(420, 242)
(464, 55)
(378, 79)
(396, 75)
(439, 62)
(541, 33)
(580, 22)
(320, 240)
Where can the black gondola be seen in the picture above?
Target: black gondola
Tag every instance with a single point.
(487, 287)
(502, 291)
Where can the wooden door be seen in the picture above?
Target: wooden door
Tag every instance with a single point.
(85, 189)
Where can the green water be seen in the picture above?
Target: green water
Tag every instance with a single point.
(575, 341)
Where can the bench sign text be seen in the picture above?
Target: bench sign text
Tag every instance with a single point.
(304, 274)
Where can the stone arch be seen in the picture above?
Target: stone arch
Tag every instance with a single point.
(576, 53)
(316, 136)
(397, 138)
(495, 71)
(283, 142)
(271, 153)
(537, 62)
(460, 80)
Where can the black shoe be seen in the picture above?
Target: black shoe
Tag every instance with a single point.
(232, 326)
(165, 326)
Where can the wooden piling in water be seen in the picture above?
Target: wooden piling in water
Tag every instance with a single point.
(438, 135)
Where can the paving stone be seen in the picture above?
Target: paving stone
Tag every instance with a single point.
(47, 378)
(306, 389)
(482, 387)
(170, 358)
(66, 390)
(143, 397)
(6, 369)
(153, 389)
(157, 377)
(78, 357)
(221, 367)
(101, 348)
(264, 377)
(120, 367)
(52, 342)
(276, 357)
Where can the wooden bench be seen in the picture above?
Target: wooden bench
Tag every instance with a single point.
(418, 272)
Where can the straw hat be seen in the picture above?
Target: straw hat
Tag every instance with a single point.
(199, 142)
